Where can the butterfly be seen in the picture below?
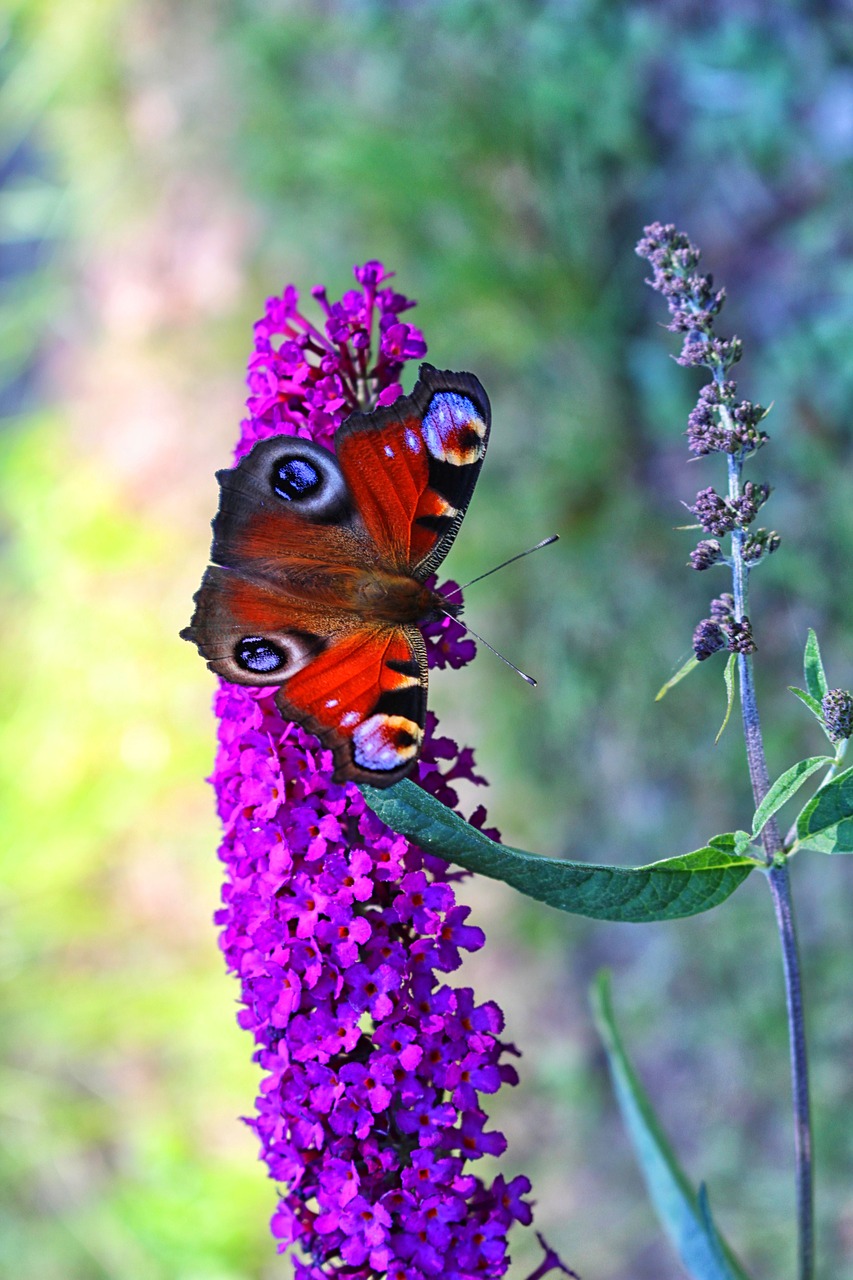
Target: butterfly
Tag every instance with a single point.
(319, 569)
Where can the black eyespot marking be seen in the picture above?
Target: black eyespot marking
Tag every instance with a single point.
(256, 654)
(295, 478)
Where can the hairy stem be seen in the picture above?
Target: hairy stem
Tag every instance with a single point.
(780, 887)
(756, 760)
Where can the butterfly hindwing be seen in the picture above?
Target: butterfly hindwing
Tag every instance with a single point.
(365, 698)
(251, 632)
(361, 690)
(411, 467)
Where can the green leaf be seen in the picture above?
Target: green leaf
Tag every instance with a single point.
(667, 890)
(685, 1216)
(813, 668)
(690, 665)
(826, 823)
(784, 787)
(812, 703)
(729, 677)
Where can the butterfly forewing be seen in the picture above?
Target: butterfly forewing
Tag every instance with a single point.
(412, 466)
(284, 509)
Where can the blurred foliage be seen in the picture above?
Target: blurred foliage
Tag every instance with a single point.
(117, 1131)
(165, 167)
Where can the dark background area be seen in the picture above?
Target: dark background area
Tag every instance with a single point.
(163, 168)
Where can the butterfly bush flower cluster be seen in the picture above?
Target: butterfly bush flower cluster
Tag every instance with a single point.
(342, 934)
(837, 711)
(720, 423)
(304, 380)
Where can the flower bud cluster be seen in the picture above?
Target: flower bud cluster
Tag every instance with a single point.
(720, 422)
(720, 515)
(837, 708)
(739, 636)
(720, 425)
(746, 506)
(722, 631)
(706, 554)
(760, 543)
(707, 639)
(713, 352)
(723, 607)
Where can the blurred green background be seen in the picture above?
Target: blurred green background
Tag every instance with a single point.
(164, 167)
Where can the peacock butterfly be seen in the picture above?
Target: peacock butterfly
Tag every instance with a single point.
(319, 566)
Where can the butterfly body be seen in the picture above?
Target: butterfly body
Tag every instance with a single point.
(393, 598)
(320, 563)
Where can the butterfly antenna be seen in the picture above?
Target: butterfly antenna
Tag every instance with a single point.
(517, 671)
(555, 537)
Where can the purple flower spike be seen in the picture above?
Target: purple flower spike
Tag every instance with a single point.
(340, 932)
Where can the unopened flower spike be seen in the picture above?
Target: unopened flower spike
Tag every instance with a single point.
(720, 422)
(724, 424)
